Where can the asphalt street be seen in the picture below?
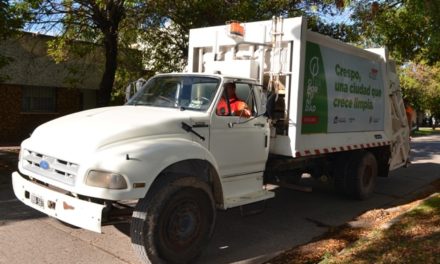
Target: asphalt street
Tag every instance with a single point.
(290, 219)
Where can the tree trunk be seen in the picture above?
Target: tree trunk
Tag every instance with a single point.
(111, 64)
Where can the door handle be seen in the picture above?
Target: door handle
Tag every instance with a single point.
(259, 124)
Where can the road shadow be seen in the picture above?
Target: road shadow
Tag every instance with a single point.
(17, 211)
(12, 209)
(293, 218)
(8, 164)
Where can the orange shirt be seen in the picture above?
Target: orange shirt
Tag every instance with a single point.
(238, 107)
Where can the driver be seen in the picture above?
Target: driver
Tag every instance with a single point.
(237, 107)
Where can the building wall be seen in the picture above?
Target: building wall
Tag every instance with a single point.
(74, 82)
(31, 67)
(16, 125)
(10, 106)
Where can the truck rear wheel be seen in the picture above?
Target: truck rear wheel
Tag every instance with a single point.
(362, 174)
(174, 222)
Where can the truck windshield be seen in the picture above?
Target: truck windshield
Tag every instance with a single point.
(175, 91)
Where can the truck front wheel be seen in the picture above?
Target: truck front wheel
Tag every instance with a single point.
(174, 222)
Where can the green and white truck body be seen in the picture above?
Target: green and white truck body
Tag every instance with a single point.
(337, 97)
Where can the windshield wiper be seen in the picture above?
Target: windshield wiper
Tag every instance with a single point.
(189, 128)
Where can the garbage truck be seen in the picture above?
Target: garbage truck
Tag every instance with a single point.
(169, 158)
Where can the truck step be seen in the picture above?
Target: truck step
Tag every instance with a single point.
(248, 198)
(293, 187)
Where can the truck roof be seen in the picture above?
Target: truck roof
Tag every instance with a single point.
(215, 75)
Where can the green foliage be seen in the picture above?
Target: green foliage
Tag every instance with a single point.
(122, 79)
(431, 205)
(10, 19)
(164, 48)
(169, 22)
(161, 26)
(10, 22)
(88, 32)
(421, 86)
(165, 32)
(130, 62)
(409, 28)
(4, 60)
(424, 131)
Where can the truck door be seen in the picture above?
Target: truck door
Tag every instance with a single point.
(240, 141)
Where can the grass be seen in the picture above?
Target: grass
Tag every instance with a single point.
(414, 238)
(425, 131)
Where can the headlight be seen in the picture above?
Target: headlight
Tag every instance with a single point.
(106, 179)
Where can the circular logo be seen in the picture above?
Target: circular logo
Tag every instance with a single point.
(44, 165)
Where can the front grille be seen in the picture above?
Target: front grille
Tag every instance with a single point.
(50, 167)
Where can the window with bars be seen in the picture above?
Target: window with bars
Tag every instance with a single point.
(39, 99)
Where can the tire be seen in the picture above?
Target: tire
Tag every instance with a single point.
(362, 174)
(174, 222)
(340, 173)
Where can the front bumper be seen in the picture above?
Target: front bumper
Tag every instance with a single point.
(80, 213)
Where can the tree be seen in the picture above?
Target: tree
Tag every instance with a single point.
(10, 21)
(162, 25)
(166, 36)
(95, 22)
(420, 84)
(409, 28)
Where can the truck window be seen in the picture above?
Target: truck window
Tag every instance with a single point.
(177, 91)
(237, 100)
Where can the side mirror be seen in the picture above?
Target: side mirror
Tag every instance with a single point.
(129, 92)
(133, 87)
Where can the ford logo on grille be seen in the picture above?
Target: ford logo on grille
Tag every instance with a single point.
(44, 165)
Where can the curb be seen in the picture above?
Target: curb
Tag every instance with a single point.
(390, 223)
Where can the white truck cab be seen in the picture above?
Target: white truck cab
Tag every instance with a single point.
(183, 146)
(76, 167)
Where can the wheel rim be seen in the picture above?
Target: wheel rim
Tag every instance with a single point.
(183, 225)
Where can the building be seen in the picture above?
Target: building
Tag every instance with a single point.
(37, 89)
